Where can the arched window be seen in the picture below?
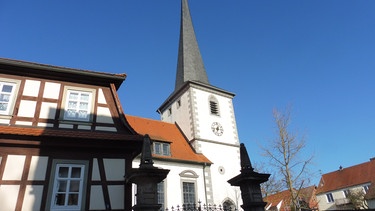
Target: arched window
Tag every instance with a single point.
(214, 106)
(188, 183)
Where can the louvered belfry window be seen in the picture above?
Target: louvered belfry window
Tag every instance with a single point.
(214, 106)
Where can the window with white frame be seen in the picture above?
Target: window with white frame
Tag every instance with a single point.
(7, 95)
(162, 148)
(68, 185)
(188, 191)
(188, 183)
(78, 104)
(365, 188)
(330, 198)
(161, 195)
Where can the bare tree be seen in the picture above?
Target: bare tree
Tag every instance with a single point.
(273, 184)
(357, 199)
(285, 155)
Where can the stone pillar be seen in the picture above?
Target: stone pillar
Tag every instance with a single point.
(249, 182)
(146, 177)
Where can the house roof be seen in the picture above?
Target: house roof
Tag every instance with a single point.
(180, 148)
(66, 133)
(284, 197)
(347, 177)
(23, 68)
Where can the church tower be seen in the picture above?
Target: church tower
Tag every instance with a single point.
(206, 116)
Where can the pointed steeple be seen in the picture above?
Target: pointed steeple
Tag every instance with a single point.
(190, 64)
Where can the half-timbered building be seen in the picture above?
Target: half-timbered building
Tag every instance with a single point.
(64, 141)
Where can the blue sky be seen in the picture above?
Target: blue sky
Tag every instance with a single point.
(318, 56)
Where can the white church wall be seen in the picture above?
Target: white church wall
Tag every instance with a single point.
(173, 182)
(226, 166)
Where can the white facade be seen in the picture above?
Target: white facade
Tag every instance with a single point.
(336, 199)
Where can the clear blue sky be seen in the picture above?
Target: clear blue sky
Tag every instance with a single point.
(318, 56)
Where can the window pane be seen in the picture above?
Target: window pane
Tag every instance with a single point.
(83, 105)
(4, 97)
(73, 96)
(82, 114)
(157, 148)
(73, 199)
(60, 199)
(72, 104)
(76, 172)
(188, 192)
(63, 172)
(7, 88)
(85, 97)
(3, 106)
(62, 186)
(74, 186)
(161, 194)
(166, 149)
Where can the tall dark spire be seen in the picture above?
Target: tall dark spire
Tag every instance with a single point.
(190, 64)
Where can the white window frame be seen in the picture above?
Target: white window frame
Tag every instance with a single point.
(188, 176)
(54, 181)
(162, 151)
(330, 198)
(161, 194)
(187, 193)
(90, 104)
(13, 93)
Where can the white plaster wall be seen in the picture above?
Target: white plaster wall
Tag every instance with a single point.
(8, 197)
(5, 121)
(12, 173)
(173, 182)
(33, 198)
(101, 98)
(116, 196)
(226, 157)
(51, 90)
(96, 198)
(114, 169)
(31, 88)
(38, 168)
(95, 170)
(104, 115)
(25, 123)
(27, 108)
(204, 118)
(48, 110)
(181, 115)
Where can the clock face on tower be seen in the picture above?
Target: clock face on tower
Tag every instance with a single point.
(217, 128)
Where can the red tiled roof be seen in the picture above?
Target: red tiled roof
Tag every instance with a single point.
(30, 131)
(347, 177)
(166, 132)
(275, 199)
(307, 194)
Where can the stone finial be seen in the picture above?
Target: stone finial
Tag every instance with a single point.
(146, 157)
(245, 160)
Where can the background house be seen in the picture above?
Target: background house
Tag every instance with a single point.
(281, 201)
(334, 188)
